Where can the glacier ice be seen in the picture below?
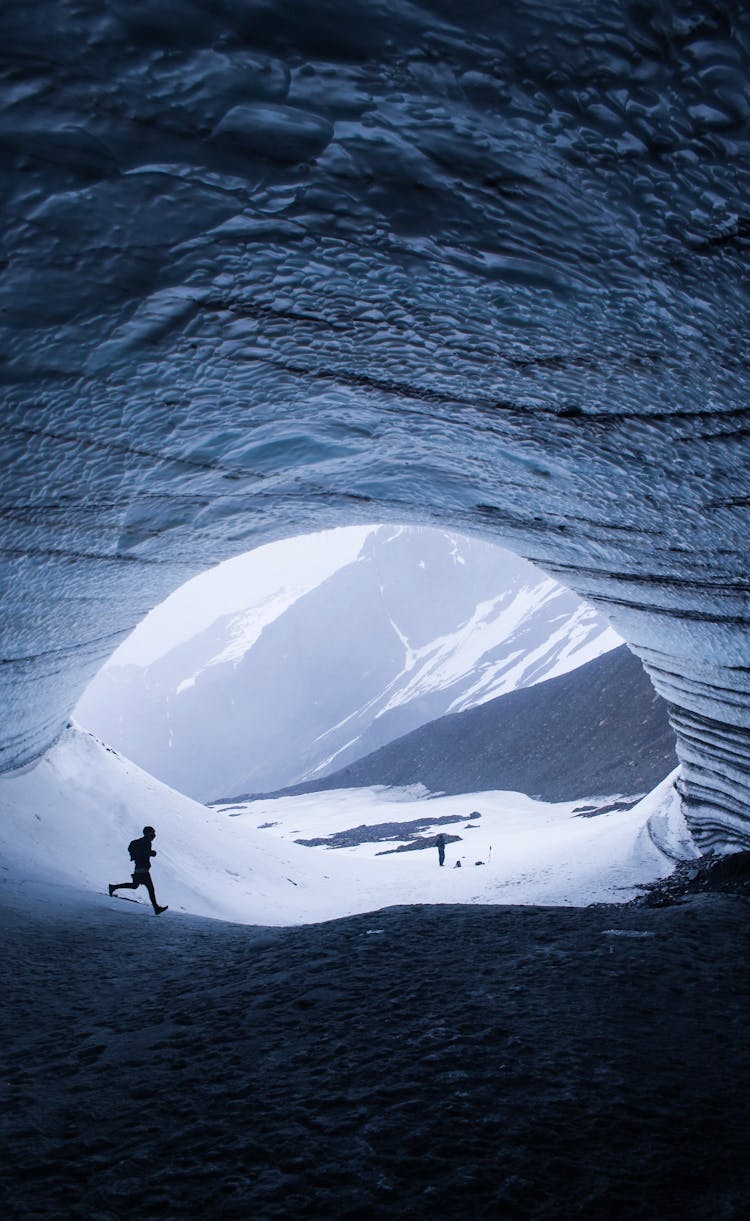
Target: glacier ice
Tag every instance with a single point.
(272, 268)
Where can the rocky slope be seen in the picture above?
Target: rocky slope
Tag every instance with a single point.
(598, 731)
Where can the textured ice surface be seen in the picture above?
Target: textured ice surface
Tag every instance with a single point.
(270, 268)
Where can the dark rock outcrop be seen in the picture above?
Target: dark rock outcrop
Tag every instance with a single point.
(729, 875)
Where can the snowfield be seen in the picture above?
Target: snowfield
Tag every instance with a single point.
(65, 823)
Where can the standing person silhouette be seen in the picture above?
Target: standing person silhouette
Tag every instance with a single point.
(140, 854)
(440, 842)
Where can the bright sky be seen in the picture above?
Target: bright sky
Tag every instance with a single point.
(300, 563)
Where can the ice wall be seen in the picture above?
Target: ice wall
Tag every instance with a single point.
(270, 267)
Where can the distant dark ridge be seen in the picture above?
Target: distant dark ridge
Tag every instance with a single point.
(600, 730)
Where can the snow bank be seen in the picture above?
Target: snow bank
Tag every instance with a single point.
(66, 823)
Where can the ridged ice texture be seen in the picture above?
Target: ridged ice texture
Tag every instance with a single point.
(276, 266)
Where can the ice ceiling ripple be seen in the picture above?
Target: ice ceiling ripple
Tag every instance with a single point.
(271, 267)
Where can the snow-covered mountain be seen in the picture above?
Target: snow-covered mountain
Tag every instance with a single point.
(420, 624)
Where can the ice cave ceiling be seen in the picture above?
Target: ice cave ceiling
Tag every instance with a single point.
(274, 266)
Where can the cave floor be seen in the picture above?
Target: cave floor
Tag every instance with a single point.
(420, 1062)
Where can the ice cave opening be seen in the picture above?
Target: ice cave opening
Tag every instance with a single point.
(348, 690)
(305, 724)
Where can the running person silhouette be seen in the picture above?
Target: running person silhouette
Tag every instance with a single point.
(140, 854)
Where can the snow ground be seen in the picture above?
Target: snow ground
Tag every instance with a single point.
(65, 824)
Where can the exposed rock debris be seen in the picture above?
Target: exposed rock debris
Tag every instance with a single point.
(389, 831)
(707, 874)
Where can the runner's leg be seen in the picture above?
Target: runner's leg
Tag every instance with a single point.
(150, 888)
